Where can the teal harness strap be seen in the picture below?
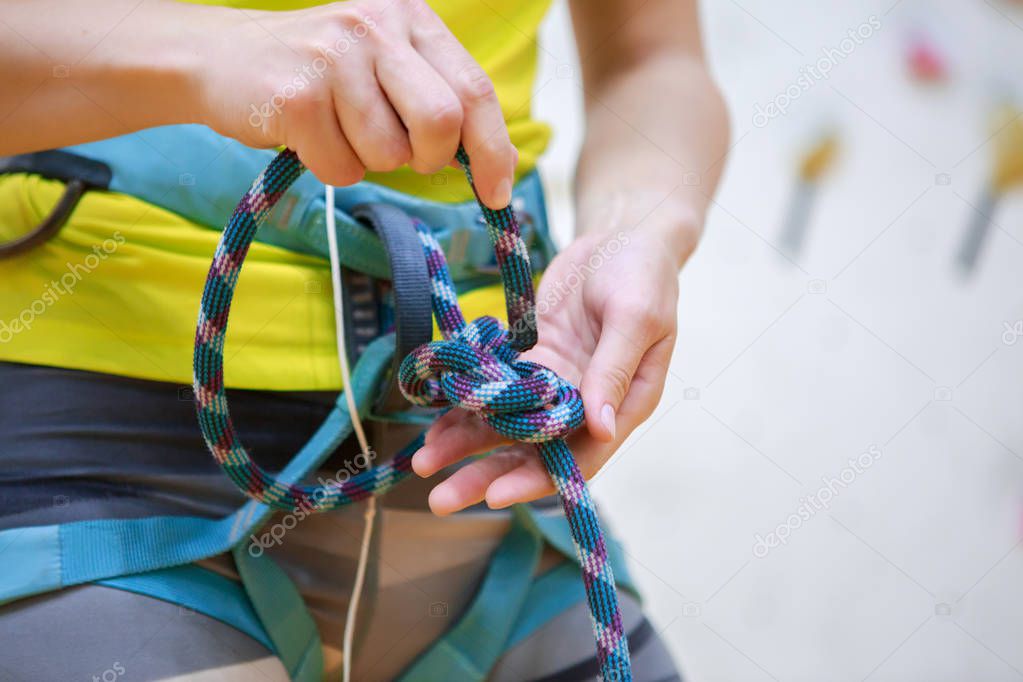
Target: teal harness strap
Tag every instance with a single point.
(266, 606)
(556, 531)
(550, 595)
(46, 558)
(283, 614)
(31, 561)
(199, 174)
(471, 648)
(510, 606)
(512, 603)
(200, 590)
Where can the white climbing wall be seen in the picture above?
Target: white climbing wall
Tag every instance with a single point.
(909, 567)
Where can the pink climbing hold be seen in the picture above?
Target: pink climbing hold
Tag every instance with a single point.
(925, 61)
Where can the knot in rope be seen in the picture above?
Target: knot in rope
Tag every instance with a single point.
(479, 370)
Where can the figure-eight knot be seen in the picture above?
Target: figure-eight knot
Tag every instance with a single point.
(479, 370)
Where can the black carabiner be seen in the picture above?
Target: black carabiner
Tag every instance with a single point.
(79, 174)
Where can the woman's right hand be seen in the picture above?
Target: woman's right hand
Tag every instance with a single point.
(358, 86)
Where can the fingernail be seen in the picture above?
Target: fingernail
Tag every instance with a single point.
(419, 465)
(607, 418)
(436, 501)
(498, 505)
(502, 193)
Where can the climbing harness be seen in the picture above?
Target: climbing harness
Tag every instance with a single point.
(475, 366)
(198, 175)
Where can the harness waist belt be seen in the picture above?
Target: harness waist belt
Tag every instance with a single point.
(199, 174)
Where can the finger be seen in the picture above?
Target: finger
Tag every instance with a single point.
(444, 422)
(484, 132)
(525, 483)
(321, 145)
(607, 378)
(648, 382)
(468, 485)
(369, 122)
(428, 107)
(532, 481)
(470, 436)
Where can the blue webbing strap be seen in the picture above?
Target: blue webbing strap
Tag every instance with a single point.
(283, 613)
(199, 174)
(266, 606)
(554, 529)
(497, 612)
(510, 606)
(469, 649)
(200, 590)
(512, 603)
(46, 558)
(550, 595)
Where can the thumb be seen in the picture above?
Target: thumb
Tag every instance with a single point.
(606, 380)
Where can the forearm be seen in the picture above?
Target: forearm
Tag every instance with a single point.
(74, 72)
(656, 138)
(350, 87)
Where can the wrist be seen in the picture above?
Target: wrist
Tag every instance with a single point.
(678, 233)
(673, 223)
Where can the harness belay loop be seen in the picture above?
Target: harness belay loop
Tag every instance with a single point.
(476, 366)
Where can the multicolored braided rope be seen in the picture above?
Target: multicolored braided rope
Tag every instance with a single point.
(475, 367)
(208, 366)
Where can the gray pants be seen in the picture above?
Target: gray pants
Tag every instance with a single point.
(78, 445)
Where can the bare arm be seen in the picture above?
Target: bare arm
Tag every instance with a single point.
(656, 126)
(608, 302)
(352, 86)
(75, 72)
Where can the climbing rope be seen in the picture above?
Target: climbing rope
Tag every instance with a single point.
(475, 367)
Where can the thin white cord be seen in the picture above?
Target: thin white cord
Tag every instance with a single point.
(360, 434)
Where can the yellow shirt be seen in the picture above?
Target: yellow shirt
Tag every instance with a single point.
(117, 290)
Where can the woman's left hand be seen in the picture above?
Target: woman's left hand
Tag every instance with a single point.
(606, 312)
